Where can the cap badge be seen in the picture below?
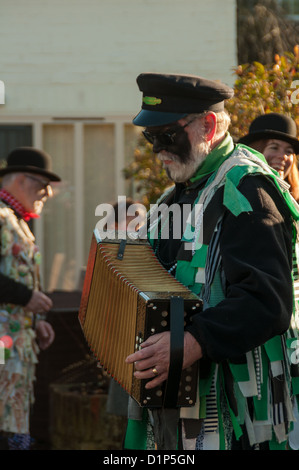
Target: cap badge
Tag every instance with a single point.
(151, 100)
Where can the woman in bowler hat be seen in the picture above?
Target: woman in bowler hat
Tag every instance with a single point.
(275, 136)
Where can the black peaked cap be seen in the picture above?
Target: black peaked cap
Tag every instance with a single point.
(169, 97)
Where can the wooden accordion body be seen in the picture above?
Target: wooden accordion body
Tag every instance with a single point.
(125, 299)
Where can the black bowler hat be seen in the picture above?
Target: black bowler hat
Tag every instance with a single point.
(170, 97)
(29, 160)
(272, 126)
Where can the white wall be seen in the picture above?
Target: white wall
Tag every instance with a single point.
(81, 57)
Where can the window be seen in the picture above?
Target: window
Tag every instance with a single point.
(90, 158)
(99, 174)
(12, 136)
(59, 213)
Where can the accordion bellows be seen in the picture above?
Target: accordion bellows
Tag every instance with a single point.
(125, 299)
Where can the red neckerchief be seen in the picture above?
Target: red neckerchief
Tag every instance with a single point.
(17, 206)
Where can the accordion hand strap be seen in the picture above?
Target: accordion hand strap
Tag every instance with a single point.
(176, 352)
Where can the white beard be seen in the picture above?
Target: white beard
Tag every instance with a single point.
(181, 172)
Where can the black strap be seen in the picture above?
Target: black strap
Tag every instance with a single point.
(176, 351)
(121, 249)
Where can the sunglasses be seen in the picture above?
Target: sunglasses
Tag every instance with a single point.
(165, 138)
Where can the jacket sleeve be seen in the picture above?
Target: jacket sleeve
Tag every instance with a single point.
(256, 251)
(13, 292)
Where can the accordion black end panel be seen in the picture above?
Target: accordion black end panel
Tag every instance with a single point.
(126, 298)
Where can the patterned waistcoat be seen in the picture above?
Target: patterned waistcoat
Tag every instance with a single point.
(19, 261)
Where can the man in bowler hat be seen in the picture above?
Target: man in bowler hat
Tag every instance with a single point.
(239, 264)
(26, 185)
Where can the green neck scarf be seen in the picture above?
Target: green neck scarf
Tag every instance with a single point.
(215, 158)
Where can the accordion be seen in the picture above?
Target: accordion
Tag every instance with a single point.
(128, 296)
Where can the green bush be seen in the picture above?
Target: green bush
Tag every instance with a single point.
(263, 89)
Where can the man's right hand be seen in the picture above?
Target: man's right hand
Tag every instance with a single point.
(39, 303)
